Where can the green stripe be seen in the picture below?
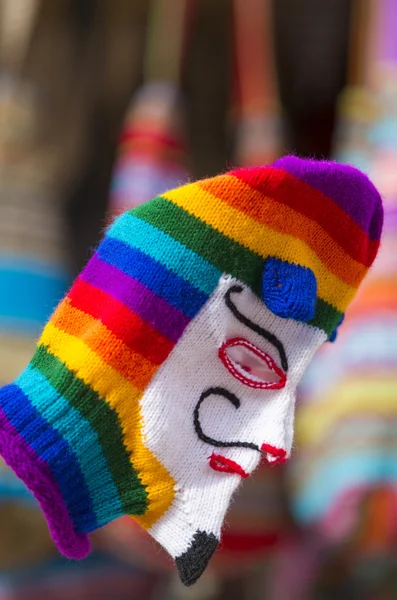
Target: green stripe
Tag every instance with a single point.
(224, 253)
(104, 421)
(326, 317)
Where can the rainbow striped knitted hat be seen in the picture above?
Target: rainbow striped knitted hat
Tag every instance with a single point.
(300, 235)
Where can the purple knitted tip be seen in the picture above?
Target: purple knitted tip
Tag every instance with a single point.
(36, 476)
(345, 185)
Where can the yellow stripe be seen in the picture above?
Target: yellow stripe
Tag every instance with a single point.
(353, 396)
(288, 221)
(113, 351)
(261, 239)
(124, 398)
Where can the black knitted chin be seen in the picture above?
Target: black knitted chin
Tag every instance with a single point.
(192, 563)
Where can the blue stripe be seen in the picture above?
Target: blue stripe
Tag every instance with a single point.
(54, 451)
(175, 290)
(82, 439)
(334, 477)
(368, 344)
(162, 247)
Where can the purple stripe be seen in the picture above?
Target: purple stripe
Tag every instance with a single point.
(37, 476)
(166, 319)
(345, 185)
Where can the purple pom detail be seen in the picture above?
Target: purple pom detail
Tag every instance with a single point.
(36, 475)
(345, 185)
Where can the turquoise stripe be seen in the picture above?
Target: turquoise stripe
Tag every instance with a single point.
(12, 488)
(163, 248)
(30, 291)
(14, 494)
(79, 435)
(334, 477)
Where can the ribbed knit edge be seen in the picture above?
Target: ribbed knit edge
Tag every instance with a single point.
(36, 476)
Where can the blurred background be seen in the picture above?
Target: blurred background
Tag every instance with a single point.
(107, 103)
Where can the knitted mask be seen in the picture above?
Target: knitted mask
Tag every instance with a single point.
(169, 371)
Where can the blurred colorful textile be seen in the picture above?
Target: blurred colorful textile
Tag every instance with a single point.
(344, 476)
(100, 577)
(152, 154)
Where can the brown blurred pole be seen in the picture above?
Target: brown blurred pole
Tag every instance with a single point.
(361, 46)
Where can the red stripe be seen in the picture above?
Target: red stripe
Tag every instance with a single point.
(240, 542)
(296, 194)
(129, 327)
(133, 134)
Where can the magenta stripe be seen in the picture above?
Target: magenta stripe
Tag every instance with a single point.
(386, 36)
(166, 319)
(390, 218)
(36, 475)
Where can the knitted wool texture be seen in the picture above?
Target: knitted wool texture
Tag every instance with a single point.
(170, 368)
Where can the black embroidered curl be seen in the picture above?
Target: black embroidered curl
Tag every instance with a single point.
(267, 335)
(219, 391)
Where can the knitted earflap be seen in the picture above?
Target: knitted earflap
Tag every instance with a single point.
(169, 370)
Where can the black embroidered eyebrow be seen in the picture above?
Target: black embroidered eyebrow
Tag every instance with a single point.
(267, 335)
(219, 391)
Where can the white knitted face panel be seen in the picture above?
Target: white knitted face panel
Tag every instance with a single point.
(263, 416)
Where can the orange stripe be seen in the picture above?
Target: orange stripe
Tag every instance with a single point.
(305, 199)
(132, 366)
(374, 294)
(373, 307)
(375, 283)
(129, 327)
(286, 220)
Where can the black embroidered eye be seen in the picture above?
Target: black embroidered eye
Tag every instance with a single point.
(267, 335)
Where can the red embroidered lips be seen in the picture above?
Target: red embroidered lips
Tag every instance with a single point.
(251, 365)
(226, 465)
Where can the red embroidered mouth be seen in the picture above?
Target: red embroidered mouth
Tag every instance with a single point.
(226, 465)
(251, 365)
(276, 456)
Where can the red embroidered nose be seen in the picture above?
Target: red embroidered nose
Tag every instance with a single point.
(251, 365)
